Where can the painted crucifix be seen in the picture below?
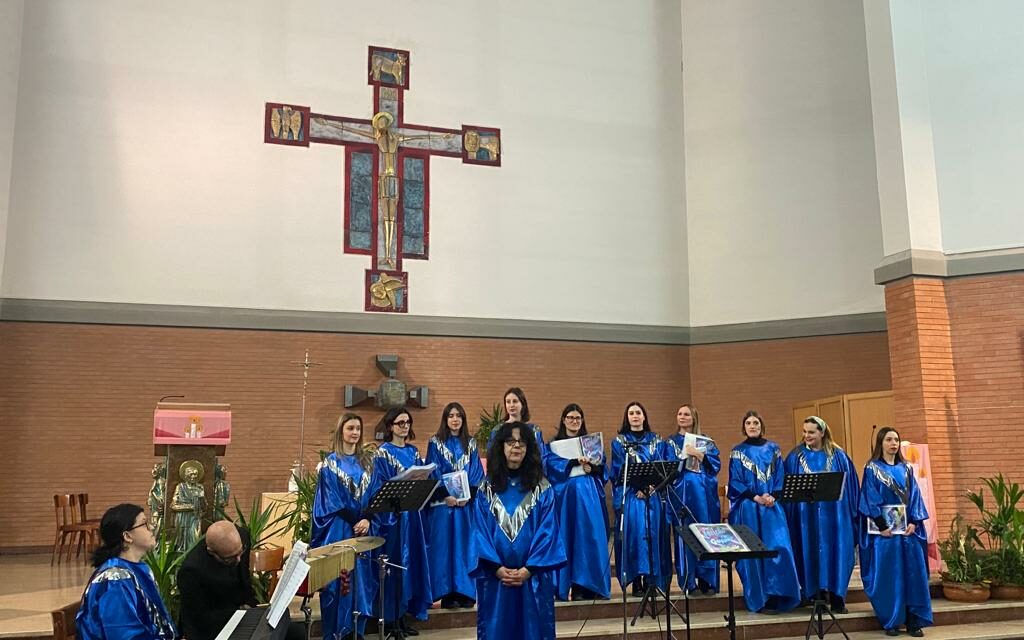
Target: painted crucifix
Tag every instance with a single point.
(387, 172)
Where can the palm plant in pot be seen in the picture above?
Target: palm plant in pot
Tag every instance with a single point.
(1003, 526)
(964, 578)
(489, 421)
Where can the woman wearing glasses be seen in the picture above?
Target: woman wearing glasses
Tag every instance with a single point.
(579, 496)
(343, 490)
(449, 524)
(515, 546)
(121, 600)
(647, 555)
(697, 489)
(409, 591)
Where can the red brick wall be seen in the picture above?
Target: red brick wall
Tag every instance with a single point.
(958, 379)
(771, 376)
(76, 401)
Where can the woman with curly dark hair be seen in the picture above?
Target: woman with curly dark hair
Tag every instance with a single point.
(515, 547)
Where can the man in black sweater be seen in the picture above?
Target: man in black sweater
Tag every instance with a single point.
(214, 581)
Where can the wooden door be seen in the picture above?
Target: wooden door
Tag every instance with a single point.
(831, 411)
(865, 414)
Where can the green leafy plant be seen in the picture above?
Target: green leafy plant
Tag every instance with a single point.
(1003, 525)
(489, 421)
(164, 560)
(964, 565)
(300, 513)
(262, 525)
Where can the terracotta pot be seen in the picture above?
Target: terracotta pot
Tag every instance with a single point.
(965, 592)
(1008, 592)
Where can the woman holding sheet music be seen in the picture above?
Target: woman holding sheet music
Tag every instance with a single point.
(405, 543)
(344, 487)
(770, 585)
(824, 534)
(697, 489)
(579, 496)
(893, 557)
(449, 524)
(637, 562)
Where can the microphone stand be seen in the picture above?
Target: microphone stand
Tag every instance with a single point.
(681, 513)
(622, 535)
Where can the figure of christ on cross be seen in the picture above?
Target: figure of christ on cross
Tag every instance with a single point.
(388, 187)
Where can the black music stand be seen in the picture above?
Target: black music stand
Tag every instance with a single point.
(757, 550)
(815, 487)
(658, 473)
(397, 496)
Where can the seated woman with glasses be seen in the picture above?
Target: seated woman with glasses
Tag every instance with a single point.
(515, 548)
(407, 591)
(121, 599)
(582, 517)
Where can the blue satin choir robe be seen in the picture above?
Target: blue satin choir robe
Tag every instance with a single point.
(405, 539)
(579, 500)
(824, 534)
(637, 563)
(754, 470)
(343, 492)
(895, 570)
(449, 528)
(513, 529)
(698, 490)
(122, 602)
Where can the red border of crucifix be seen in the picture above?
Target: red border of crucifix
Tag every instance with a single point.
(387, 172)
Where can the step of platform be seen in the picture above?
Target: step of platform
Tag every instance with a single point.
(749, 626)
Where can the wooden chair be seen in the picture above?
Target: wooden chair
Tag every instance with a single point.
(724, 500)
(92, 533)
(64, 621)
(64, 506)
(270, 560)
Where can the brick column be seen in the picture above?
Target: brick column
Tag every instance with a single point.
(924, 379)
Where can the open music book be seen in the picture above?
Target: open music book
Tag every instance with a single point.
(590, 446)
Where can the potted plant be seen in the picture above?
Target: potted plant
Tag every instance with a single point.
(264, 559)
(164, 560)
(964, 579)
(1003, 526)
(489, 421)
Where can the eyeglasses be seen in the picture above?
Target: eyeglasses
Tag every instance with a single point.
(145, 523)
(514, 443)
(228, 560)
(401, 423)
(574, 418)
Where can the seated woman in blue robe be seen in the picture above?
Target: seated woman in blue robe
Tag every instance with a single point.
(697, 488)
(515, 548)
(121, 600)
(641, 562)
(407, 591)
(449, 523)
(582, 517)
(824, 534)
(517, 409)
(344, 487)
(894, 566)
(770, 585)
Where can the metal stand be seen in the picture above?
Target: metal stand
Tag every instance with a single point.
(816, 623)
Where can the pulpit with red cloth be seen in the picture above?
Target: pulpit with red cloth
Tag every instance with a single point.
(190, 431)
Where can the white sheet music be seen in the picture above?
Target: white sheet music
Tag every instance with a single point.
(295, 570)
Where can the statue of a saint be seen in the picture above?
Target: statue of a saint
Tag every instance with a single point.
(387, 140)
(188, 505)
(221, 492)
(157, 496)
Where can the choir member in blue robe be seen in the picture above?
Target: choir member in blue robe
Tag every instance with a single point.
(824, 534)
(516, 549)
(449, 523)
(517, 409)
(770, 585)
(345, 484)
(407, 591)
(121, 599)
(582, 517)
(641, 562)
(894, 567)
(697, 488)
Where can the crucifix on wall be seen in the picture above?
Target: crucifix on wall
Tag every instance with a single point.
(387, 172)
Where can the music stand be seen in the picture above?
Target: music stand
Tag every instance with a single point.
(757, 550)
(658, 473)
(815, 487)
(397, 496)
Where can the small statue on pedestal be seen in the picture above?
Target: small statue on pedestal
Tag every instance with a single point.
(188, 505)
(157, 496)
(221, 492)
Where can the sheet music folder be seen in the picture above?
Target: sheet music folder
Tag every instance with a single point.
(757, 548)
